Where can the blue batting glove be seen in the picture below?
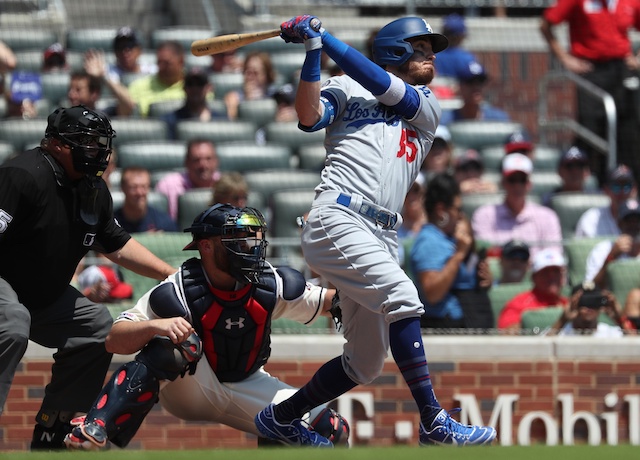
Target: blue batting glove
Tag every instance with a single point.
(307, 27)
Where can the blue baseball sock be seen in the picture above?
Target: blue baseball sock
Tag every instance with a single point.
(408, 351)
(329, 382)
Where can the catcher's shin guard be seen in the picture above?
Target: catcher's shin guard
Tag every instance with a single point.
(133, 389)
(332, 426)
(122, 405)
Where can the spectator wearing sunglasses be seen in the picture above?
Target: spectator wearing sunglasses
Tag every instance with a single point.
(517, 217)
(514, 262)
(573, 169)
(602, 221)
(469, 170)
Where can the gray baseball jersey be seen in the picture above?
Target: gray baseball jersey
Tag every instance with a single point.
(374, 153)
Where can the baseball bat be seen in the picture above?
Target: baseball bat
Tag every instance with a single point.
(229, 42)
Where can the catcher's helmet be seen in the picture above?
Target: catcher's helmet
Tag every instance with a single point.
(247, 251)
(87, 132)
(390, 47)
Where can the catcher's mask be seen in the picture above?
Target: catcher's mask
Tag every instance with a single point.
(243, 236)
(88, 134)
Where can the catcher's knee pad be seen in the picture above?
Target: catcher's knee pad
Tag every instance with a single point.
(168, 361)
(124, 402)
(332, 426)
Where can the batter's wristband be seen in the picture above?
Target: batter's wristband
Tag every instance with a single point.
(313, 43)
(311, 68)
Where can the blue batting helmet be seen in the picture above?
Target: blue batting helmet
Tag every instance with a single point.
(390, 47)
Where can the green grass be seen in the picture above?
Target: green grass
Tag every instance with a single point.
(357, 453)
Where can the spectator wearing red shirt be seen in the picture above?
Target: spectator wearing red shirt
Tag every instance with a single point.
(600, 51)
(548, 275)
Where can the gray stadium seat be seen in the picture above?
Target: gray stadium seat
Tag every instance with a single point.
(271, 45)
(471, 202)
(93, 38)
(270, 181)
(21, 132)
(289, 134)
(546, 158)
(157, 109)
(55, 86)
(500, 294)
(154, 156)
(288, 63)
(312, 157)
(27, 38)
(260, 111)
(155, 199)
(570, 206)
(225, 82)
(183, 35)
(623, 275)
(29, 60)
(577, 250)
(543, 182)
(536, 321)
(216, 131)
(478, 134)
(249, 156)
(191, 203)
(286, 206)
(138, 129)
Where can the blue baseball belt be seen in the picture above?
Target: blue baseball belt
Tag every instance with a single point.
(381, 216)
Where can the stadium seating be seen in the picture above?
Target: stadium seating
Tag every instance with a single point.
(545, 159)
(225, 82)
(286, 206)
(288, 63)
(55, 86)
(268, 182)
(157, 109)
(479, 134)
(312, 157)
(28, 38)
(184, 35)
(471, 202)
(543, 182)
(153, 155)
(272, 46)
(216, 131)
(92, 38)
(536, 321)
(155, 199)
(500, 294)
(138, 129)
(168, 247)
(289, 134)
(21, 133)
(249, 156)
(570, 207)
(259, 111)
(622, 276)
(577, 251)
(191, 203)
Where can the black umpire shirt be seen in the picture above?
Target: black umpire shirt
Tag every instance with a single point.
(42, 238)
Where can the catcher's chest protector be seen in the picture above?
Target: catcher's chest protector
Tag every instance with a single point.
(234, 326)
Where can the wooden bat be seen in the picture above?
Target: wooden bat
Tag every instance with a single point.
(229, 42)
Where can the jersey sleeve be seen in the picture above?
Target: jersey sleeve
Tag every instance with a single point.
(17, 200)
(305, 309)
(111, 235)
(560, 11)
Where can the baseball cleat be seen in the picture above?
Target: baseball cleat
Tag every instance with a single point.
(446, 431)
(291, 434)
(87, 437)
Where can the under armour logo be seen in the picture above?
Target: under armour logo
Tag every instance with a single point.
(239, 323)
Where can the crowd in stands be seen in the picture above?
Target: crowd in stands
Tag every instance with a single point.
(516, 235)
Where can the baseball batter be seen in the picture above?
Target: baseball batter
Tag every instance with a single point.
(219, 306)
(380, 120)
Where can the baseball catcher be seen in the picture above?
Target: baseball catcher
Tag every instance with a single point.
(203, 337)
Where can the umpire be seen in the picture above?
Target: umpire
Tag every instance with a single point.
(54, 208)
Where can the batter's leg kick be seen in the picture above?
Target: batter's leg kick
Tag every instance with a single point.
(131, 392)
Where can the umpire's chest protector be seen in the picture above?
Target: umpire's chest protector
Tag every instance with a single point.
(234, 326)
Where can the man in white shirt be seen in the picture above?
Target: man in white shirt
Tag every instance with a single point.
(620, 186)
(624, 246)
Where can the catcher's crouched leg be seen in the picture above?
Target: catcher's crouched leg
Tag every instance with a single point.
(131, 392)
